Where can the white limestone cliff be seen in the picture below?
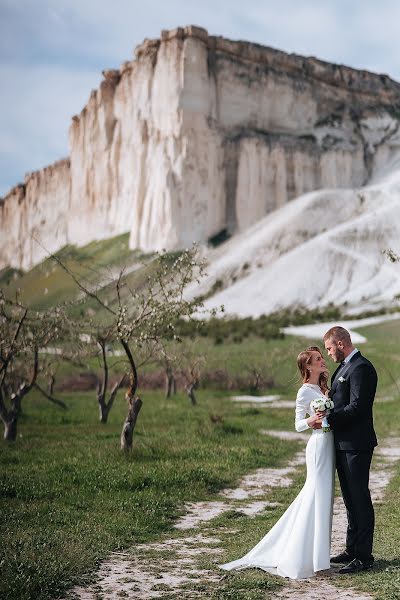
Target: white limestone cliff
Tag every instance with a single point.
(197, 135)
(304, 256)
(34, 217)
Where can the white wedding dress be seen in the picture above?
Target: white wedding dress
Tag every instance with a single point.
(298, 545)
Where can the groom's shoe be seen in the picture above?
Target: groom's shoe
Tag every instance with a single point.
(355, 566)
(343, 557)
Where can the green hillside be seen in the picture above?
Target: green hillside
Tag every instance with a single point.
(96, 264)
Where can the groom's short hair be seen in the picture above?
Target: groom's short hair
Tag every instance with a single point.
(338, 334)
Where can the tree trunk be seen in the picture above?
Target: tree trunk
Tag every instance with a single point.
(105, 407)
(10, 417)
(256, 383)
(135, 404)
(170, 385)
(190, 392)
(167, 387)
(50, 385)
(104, 411)
(10, 429)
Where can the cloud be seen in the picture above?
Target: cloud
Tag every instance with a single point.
(52, 53)
(36, 108)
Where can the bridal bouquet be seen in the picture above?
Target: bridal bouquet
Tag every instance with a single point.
(321, 404)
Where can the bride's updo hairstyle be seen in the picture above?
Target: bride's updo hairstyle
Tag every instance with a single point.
(303, 361)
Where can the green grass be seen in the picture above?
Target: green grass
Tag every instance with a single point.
(278, 357)
(47, 283)
(383, 582)
(69, 497)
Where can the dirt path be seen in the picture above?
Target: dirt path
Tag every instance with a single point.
(170, 566)
(382, 471)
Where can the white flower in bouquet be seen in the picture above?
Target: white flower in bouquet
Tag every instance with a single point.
(323, 404)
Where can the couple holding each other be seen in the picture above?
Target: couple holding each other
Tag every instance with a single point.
(299, 543)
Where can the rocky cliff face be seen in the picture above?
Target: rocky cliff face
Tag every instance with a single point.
(34, 216)
(199, 134)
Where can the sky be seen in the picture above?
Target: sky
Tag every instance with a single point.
(52, 53)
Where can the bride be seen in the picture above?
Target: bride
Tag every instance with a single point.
(299, 543)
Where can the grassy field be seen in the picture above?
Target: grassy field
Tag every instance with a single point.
(69, 497)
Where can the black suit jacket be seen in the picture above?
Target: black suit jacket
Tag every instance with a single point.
(353, 392)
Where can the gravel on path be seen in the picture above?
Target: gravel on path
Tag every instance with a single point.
(170, 566)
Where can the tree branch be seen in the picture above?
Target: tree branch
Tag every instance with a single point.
(26, 387)
(83, 289)
(7, 359)
(102, 344)
(134, 379)
(3, 410)
(114, 391)
(59, 403)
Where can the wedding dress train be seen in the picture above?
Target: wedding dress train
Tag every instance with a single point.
(299, 543)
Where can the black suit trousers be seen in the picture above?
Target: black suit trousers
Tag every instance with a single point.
(353, 471)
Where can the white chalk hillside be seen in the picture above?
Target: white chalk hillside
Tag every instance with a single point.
(325, 246)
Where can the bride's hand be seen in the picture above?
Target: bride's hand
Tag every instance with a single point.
(315, 421)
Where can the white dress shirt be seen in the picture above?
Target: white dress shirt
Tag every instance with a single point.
(348, 358)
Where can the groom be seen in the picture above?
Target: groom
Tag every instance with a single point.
(353, 389)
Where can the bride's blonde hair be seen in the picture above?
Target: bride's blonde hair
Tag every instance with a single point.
(303, 360)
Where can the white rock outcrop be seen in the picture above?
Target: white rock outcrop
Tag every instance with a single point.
(197, 135)
(34, 216)
(307, 256)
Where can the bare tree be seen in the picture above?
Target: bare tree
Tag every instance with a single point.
(106, 398)
(134, 406)
(258, 374)
(192, 364)
(106, 405)
(140, 320)
(23, 333)
(192, 385)
(170, 380)
(168, 358)
(50, 383)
